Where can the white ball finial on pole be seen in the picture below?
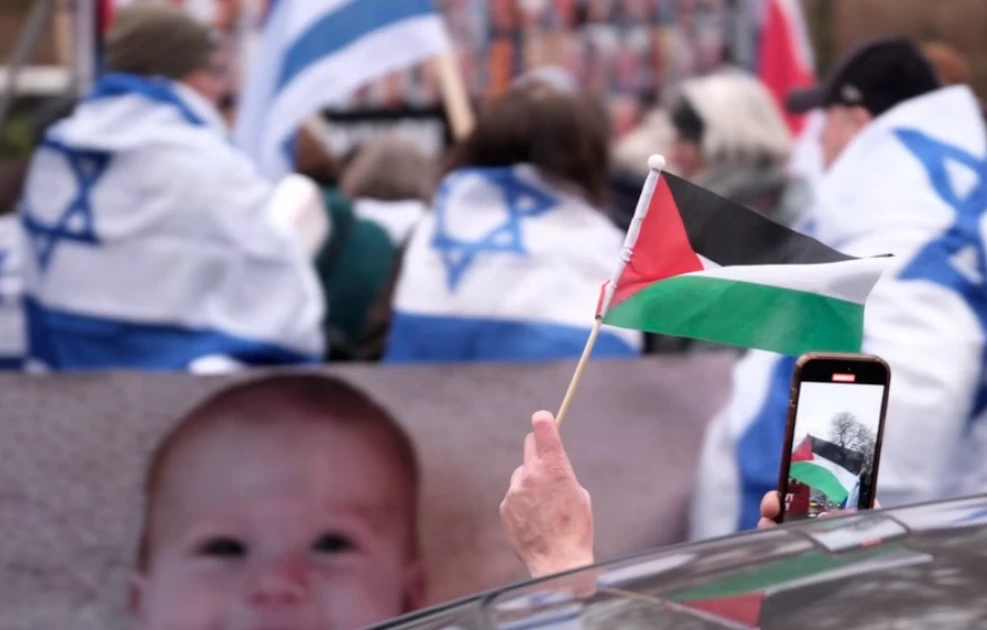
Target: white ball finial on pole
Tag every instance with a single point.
(656, 162)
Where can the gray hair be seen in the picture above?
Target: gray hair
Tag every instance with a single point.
(390, 168)
(741, 119)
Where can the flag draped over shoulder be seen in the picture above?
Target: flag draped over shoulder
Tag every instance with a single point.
(704, 267)
(912, 183)
(151, 243)
(506, 267)
(314, 53)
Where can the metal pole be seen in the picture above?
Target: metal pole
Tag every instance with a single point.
(85, 45)
(23, 52)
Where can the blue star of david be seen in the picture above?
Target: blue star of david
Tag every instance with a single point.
(520, 200)
(934, 263)
(76, 221)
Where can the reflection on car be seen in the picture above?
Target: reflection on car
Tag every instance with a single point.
(909, 569)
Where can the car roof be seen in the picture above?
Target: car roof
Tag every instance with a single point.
(914, 567)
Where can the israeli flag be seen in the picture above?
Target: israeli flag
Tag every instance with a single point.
(152, 243)
(314, 53)
(927, 317)
(507, 267)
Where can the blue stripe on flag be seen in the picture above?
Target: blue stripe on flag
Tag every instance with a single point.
(66, 341)
(424, 338)
(155, 90)
(759, 448)
(11, 364)
(343, 27)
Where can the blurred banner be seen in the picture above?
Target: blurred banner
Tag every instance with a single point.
(427, 128)
(631, 50)
(73, 451)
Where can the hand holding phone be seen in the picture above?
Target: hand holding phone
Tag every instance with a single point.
(833, 437)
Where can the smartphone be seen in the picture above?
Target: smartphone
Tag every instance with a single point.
(833, 437)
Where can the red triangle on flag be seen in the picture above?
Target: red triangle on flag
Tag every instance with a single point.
(803, 453)
(662, 249)
(744, 609)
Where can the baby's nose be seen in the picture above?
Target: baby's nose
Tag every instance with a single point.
(279, 583)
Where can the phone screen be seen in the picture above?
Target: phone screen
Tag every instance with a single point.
(835, 441)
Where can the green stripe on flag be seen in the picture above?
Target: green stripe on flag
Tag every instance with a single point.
(743, 314)
(820, 479)
(777, 574)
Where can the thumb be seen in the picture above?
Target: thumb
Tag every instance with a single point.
(548, 443)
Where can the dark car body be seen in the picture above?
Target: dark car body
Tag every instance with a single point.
(910, 568)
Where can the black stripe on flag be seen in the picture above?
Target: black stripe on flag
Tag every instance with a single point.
(728, 233)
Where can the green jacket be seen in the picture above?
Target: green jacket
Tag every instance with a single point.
(354, 266)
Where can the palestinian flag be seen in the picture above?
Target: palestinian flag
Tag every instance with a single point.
(821, 474)
(738, 600)
(697, 265)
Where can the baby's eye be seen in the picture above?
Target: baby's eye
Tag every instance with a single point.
(333, 543)
(222, 547)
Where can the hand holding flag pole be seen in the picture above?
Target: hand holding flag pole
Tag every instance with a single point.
(655, 165)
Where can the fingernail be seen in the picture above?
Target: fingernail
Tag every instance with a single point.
(543, 416)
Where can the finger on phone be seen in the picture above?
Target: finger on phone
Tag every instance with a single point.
(771, 505)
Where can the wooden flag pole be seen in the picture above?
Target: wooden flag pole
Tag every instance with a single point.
(454, 95)
(655, 165)
(578, 374)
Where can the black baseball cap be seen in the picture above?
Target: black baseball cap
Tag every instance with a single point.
(877, 76)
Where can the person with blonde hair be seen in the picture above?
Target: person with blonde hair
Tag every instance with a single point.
(653, 135)
(731, 138)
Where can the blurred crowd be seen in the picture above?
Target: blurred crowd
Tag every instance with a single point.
(139, 237)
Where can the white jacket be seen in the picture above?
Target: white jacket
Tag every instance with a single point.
(913, 184)
(153, 243)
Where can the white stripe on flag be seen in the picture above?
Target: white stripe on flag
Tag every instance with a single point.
(846, 478)
(315, 53)
(304, 14)
(850, 280)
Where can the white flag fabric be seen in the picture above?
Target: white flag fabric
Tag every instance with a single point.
(397, 218)
(506, 267)
(315, 53)
(151, 243)
(913, 183)
(13, 335)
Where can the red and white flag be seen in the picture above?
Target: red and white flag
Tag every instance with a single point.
(786, 60)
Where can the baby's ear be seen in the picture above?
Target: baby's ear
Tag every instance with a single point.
(136, 595)
(416, 587)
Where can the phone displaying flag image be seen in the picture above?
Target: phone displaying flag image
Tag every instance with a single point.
(834, 447)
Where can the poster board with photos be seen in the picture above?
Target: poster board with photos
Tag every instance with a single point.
(628, 50)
